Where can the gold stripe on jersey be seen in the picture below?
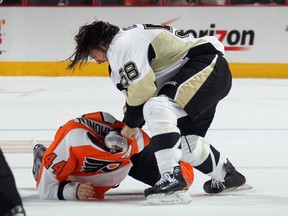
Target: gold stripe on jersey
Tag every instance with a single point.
(188, 89)
(141, 91)
(173, 51)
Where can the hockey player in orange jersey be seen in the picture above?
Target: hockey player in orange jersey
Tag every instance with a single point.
(88, 157)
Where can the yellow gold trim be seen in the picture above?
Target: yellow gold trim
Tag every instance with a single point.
(239, 70)
(51, 69)
(259, 70)
(188, 89)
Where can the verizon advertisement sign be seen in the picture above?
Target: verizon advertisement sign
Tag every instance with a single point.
(249, 34)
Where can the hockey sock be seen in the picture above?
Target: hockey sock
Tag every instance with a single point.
(203, 156)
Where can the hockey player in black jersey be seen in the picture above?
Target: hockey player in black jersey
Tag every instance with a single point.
(10, 200)
(172, 82)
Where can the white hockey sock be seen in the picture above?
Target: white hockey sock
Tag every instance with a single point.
(202, 156)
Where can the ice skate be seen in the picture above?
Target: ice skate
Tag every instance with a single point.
(170, 189)
(233, 181)
(38, 152)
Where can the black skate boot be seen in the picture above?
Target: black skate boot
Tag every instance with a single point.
(38, 152)
(170, 189)
(233, 181)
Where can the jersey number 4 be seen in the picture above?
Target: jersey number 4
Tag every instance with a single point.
(58, 167)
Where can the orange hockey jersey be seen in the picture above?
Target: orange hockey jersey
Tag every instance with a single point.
(78, 155)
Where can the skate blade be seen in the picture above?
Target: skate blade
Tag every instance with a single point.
(240, 188)
(178, 197)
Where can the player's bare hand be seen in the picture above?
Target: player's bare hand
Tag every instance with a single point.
(85, 191)
(128, 132)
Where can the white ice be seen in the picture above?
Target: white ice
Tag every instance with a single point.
(250, 128)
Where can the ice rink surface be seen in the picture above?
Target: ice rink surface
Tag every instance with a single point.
(250, 128)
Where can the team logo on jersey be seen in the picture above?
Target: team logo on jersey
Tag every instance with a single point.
(94, 165)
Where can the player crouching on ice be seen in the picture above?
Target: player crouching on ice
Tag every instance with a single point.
(88, 157)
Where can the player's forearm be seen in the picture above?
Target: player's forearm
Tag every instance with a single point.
(133, 116)
(137, 95)
(66, 190)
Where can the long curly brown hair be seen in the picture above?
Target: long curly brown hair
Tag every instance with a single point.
(91, 36)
